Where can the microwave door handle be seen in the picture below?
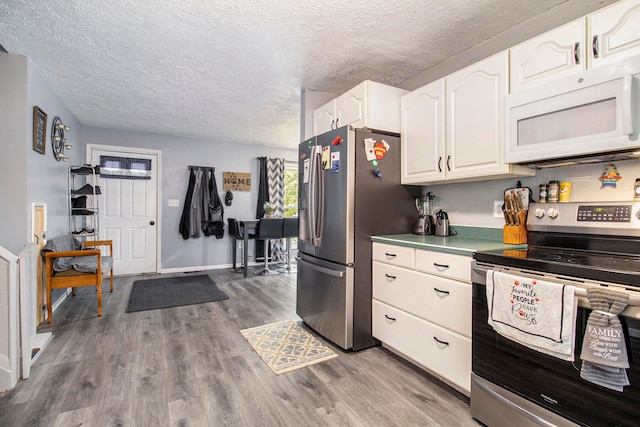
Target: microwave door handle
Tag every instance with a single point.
(627, 107)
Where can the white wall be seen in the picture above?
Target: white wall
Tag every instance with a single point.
(177, 154)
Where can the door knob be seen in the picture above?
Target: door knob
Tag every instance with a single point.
(152, 223)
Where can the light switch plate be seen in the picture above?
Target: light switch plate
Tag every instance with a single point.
(497, 209)
(174, 202)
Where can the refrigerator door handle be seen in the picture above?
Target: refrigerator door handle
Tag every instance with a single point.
(320, 208)
(316, 196)
(311, 196)
(323, 270)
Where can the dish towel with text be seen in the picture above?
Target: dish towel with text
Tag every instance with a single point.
(535, 313)
(604, 351)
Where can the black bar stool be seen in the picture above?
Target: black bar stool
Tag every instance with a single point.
(269, 228)
(237, 233)
(289, 230)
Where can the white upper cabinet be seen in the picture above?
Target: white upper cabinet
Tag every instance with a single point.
(324, 118)
(370, 104)
(474, 130)
(423, 143)
(603, 37)
(558, 53)
(614, 32)
(453, 128)
(475, 118)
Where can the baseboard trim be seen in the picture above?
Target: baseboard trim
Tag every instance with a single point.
(202, 268)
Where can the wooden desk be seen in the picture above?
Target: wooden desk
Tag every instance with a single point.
(247, 226)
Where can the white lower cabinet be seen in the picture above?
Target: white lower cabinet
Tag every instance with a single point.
(441, 351)
(425, 317)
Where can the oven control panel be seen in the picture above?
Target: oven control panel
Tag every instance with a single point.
(601, 213)
(612, 218)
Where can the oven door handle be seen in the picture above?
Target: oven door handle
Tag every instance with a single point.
(536, 419)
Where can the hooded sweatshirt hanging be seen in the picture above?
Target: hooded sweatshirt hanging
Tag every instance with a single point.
(202, 206)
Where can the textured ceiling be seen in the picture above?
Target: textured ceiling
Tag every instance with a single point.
(234, 70)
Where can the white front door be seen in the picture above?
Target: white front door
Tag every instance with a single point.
(128, 213)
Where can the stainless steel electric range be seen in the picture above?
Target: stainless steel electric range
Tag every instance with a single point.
(585, 245)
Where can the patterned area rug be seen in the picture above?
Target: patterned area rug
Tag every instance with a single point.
(285, 346)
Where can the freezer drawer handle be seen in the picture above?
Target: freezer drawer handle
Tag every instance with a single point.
(441, 292)
(441, 342)
(388, 276)
(393, 319)
(440, 265)
(324, 270)
(390, 256)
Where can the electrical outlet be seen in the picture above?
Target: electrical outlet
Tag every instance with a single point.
(497, 209)
(174, 202)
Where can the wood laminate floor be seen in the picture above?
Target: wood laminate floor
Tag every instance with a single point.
(190, 366)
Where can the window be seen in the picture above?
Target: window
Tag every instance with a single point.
(290, 189)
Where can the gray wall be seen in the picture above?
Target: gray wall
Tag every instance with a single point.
(471, 203)
(25, 175)
(177, 154)
(13, 122)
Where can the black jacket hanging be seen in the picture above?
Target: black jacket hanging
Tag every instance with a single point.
(185, 220)
(214, 223)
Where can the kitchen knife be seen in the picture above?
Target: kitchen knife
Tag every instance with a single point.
(510, 209)
(519, 204)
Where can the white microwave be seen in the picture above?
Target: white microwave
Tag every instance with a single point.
(588, 114)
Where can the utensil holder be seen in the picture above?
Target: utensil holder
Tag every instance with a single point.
(516, 234)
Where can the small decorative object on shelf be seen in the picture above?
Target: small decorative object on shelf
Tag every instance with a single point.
(83, 200)
(268, 209)
(58, 141)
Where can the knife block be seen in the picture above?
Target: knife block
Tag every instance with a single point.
(516, 234)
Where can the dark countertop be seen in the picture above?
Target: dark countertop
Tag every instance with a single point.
(467, 241)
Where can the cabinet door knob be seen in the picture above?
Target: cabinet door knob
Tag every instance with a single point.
(440, 164)
(441, 291)
(393, 319)
(594, 46)
(440, 265)
(390, 256)
(576, 52)
(152, 223)
(390, 277)
(448, 160)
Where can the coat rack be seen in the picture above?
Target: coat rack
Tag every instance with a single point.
(202, 167)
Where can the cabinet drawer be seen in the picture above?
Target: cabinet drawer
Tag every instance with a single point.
(445, 353)
(442, 301)
(392, 254)
(444, 264)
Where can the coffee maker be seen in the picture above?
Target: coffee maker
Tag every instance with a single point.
(426, 223)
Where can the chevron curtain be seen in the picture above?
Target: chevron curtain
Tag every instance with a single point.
(275, 182)
(271, 189)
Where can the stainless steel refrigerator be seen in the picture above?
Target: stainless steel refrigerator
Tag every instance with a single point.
(349, 189)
